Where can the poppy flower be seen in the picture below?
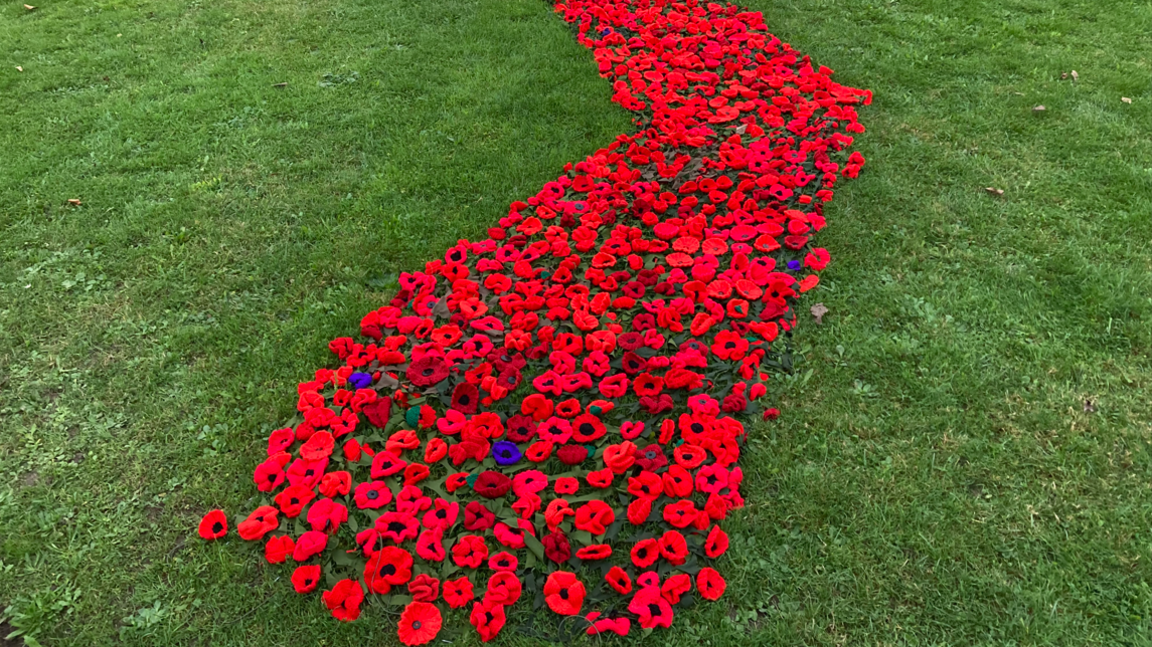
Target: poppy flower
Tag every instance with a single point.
(427, 371)
(673, 547)
(308, 544)
(717, 543)
(520, 428)
(598, 625)
(430, 546)
(371, 495)
(710, 584)
(465, 398)
(488, 618)
(639, 511)
(344, 600)
(680, 514)
(477, 517)
(492, 485)
(539, 451)
(277, 550)
(651, 608)
(305, 578)
(458, 592)
(390, 566)
(262, 521)
(594, 552)
(587, 428)
(566, 485)
(556, 547)
(335, 484)
(456, 481)
(645, 552)
(213, 525)
(618, 579)
(645, 485)
(572, 454)
(564, 593)
(268, 475)
(419, 623)
(620, 457)
(386, 464)
(675, 586)
(506, 453)
(326, 515)
(511, 537)
(469, 551)
(594, 517)
(689, 456)
(424, 588)
(504, 587)
(397, 526)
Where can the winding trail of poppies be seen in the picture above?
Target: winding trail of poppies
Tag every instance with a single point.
(553, 416)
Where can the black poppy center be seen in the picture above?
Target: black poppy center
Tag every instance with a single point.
(563, 594)
(697, 427)
(654, 609)
(372, 495)
(650, 454)
(587, 428)
(427, 372)
(465, 399)
(217, 527)
(488, 617)
(396, 526)
(416, 625)
(730, 344)
(442, 514)
(387, 569)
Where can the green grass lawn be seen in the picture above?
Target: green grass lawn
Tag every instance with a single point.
(937, 477)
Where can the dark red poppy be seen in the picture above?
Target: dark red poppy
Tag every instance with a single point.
(572, 454)
(492, 485)
(465, 398)
(477, 517)
(213, 525)
(427, 370)
(556, 547)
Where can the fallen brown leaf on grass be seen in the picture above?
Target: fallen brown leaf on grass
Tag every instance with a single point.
(1125, 99)
(29, 7)
(818, 311)
(283, 84)
(999, 193)
(1088, 406)
(74, 202)
(19, 69)
(1075, 76)
(1038, 109)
